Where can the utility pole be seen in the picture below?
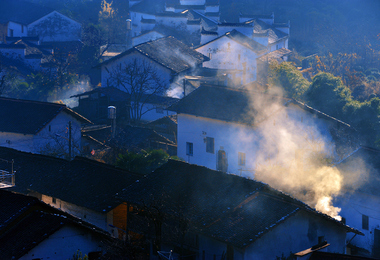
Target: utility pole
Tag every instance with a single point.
(70, 140)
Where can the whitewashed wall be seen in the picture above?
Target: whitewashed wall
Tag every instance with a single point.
(64, 243)
(234, 138)
(59, 126)
(163, 72)
(136, 22)
(55, 27)
(225, 53)
(19, 30)
(354, 206)
(19, 142)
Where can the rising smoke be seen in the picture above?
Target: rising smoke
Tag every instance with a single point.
(296, 153)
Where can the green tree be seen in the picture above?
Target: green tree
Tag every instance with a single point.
(144, 162)
(289, 78)
(328, 94)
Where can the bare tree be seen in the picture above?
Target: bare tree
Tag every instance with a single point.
(141, 81)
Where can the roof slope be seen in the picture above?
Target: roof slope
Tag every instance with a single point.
(83, 182)
(273, 34)
(29, 117)
(20, 11)
(169, 52)
(226, 207)
(232, 105)
(241, 39)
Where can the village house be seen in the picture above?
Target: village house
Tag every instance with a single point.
(83, 188)
(40, 127)
(220, 128)
(359, 199)
(30, 229)
(234, 51)
(36, 20)
(203, 212)
(208, 214)
(28, 52)
(167, 58)
(94, 104)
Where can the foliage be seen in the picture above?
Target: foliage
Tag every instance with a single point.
(289, 78)
(141, 81)
(79, 256)
(328, 94)
(144, 162)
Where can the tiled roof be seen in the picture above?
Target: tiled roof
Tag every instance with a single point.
(30, 12)
(260, 27)
(83, 182)
(28, 226)
(226, 207)
(232, 105)
(276, 55)
(169, 52)
(29, 117)
(216, 102)
(241, 39)
(149, 7)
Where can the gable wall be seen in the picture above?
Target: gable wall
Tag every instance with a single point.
(163, 72)
(295, 234)
(225, 53)
(48, 141)
(354, 206)
(55, 27)
(136, 22)
(19, 30)
(64, 243)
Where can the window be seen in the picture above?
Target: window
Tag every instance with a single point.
(54, 200)
(241, 159)
(365, 224)
(189, 149)
(10, 32)
(49, 128)
(321, 239)
(22, 28)
(209, 145)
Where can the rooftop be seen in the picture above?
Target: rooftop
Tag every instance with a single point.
(168, 52)
(217, 204)
(29, 117)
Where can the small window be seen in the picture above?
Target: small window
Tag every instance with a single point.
(11, 32)
(343, 220)
(22, 28)
(189, 149)
(241, 158)
(54, 200)
(209, 145)
(365, 222)
(239, 57)
(49, 128)
(321, 239)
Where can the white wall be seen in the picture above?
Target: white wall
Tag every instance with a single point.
(151, 113)
(136, 22)
(212, 8)
(59, 126)
(55, 27)
(295, 234)
(178, 22)
(19, 30)
(192, 2)
(163, 72)
(228, 54)
(64, 243)
(98, 219)
(19, 142)
(354, 206)
(234, 138)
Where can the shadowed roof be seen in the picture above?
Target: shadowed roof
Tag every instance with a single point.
(29, 117)
(226, 207)
(168, 52)
(82, 181)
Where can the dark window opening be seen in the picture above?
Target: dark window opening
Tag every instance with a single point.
(189, 149)
(365, 222)
(209, 144)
